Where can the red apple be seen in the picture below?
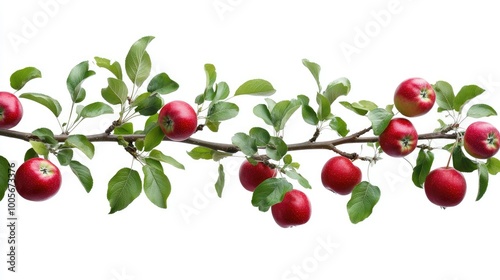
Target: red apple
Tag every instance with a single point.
(37, 179)
(11, 110)
(252, 175)
(445, 187)
(340, 175)
(294, 210)
(481, 140)
(178, 120)
(414, 97)
(399, 138)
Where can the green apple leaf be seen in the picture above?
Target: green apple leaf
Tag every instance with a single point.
(96, 109)
(355, 107)
(256, 87)
(308, 113)
(147, 104)
(324, 109)
(156, 184)
(339, 125)
(201, 153)
(276, 148)
(482, 170)
(221, 92)
(45, 135)
(45, 100)
(65, 156)
(337, 88)
(138, 62)
(221, 111)
(493, 165)
(261, 136)
(380, 119)
(481, 111)
(444, 95)
(293, 174)
(282, 111)
(116, 92)
(115, 67)
(123, 129)
(270, 192)
(363, 198)
(40, 148)
(19, 78)
(159, 156)
(245, 143)
(466, 94)
(461, 162)
(76, 77)
(162, 84)
(219, 184)
(315, 69)
(153, 138)
(81, 143)
(211, 77)
(123, 188)
(30, 153)
(263, 112)
(422, 168)
(83, 174)
(4, 176)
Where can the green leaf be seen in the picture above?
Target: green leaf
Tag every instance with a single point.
(96, 109)
(363, 198)
(261, 136)
(40, 148)
(153, 138)
(340, 126)
(466, 94)
(201, 153)
(45, 100)
(211, 76)
(270, 192)
(221, 92)
(213, 126)
(324, 109)
(483, 180)
(461, 162)
(444, 95)
(162, 84)
(355, 109)
(263, 112)
(159, 156)
(380, 119)
(480, 111)
(222, 111)
(282, 111)
(114, 68)
(138, 62)
(287, 159)
(493, 165)
(219, 184)
(81, 143)
(156, 184)
(30, 153)
(123, 129)
(308, 113)
(116, 92)
(4, 176)
(147, 104)
(276, 148)
(65, 156)
(76, 77)
(19, 78)
(296, 176)
(256, 87)
(45, 135)
(315, 69)
(123, 188)
(337, 88)
(245, 143)
(83, 174)
(422, 168)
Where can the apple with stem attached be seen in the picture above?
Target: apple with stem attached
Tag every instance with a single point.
(340, 175)
(399, 138)
(445, 187)
(414, 97)
(252, 175)
(481, 140)
(293, 210)
(37, 179)
(11, 110)
(178, 120)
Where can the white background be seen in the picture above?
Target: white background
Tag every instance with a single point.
(201, 236)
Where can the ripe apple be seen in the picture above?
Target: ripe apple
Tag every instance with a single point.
(414, 97)
(445, 186)
(11, 110)
(340, 175)
(481, 140)
(399, 139)
(252, 175)
(37, 179)
(178, 120)
(293, 210)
